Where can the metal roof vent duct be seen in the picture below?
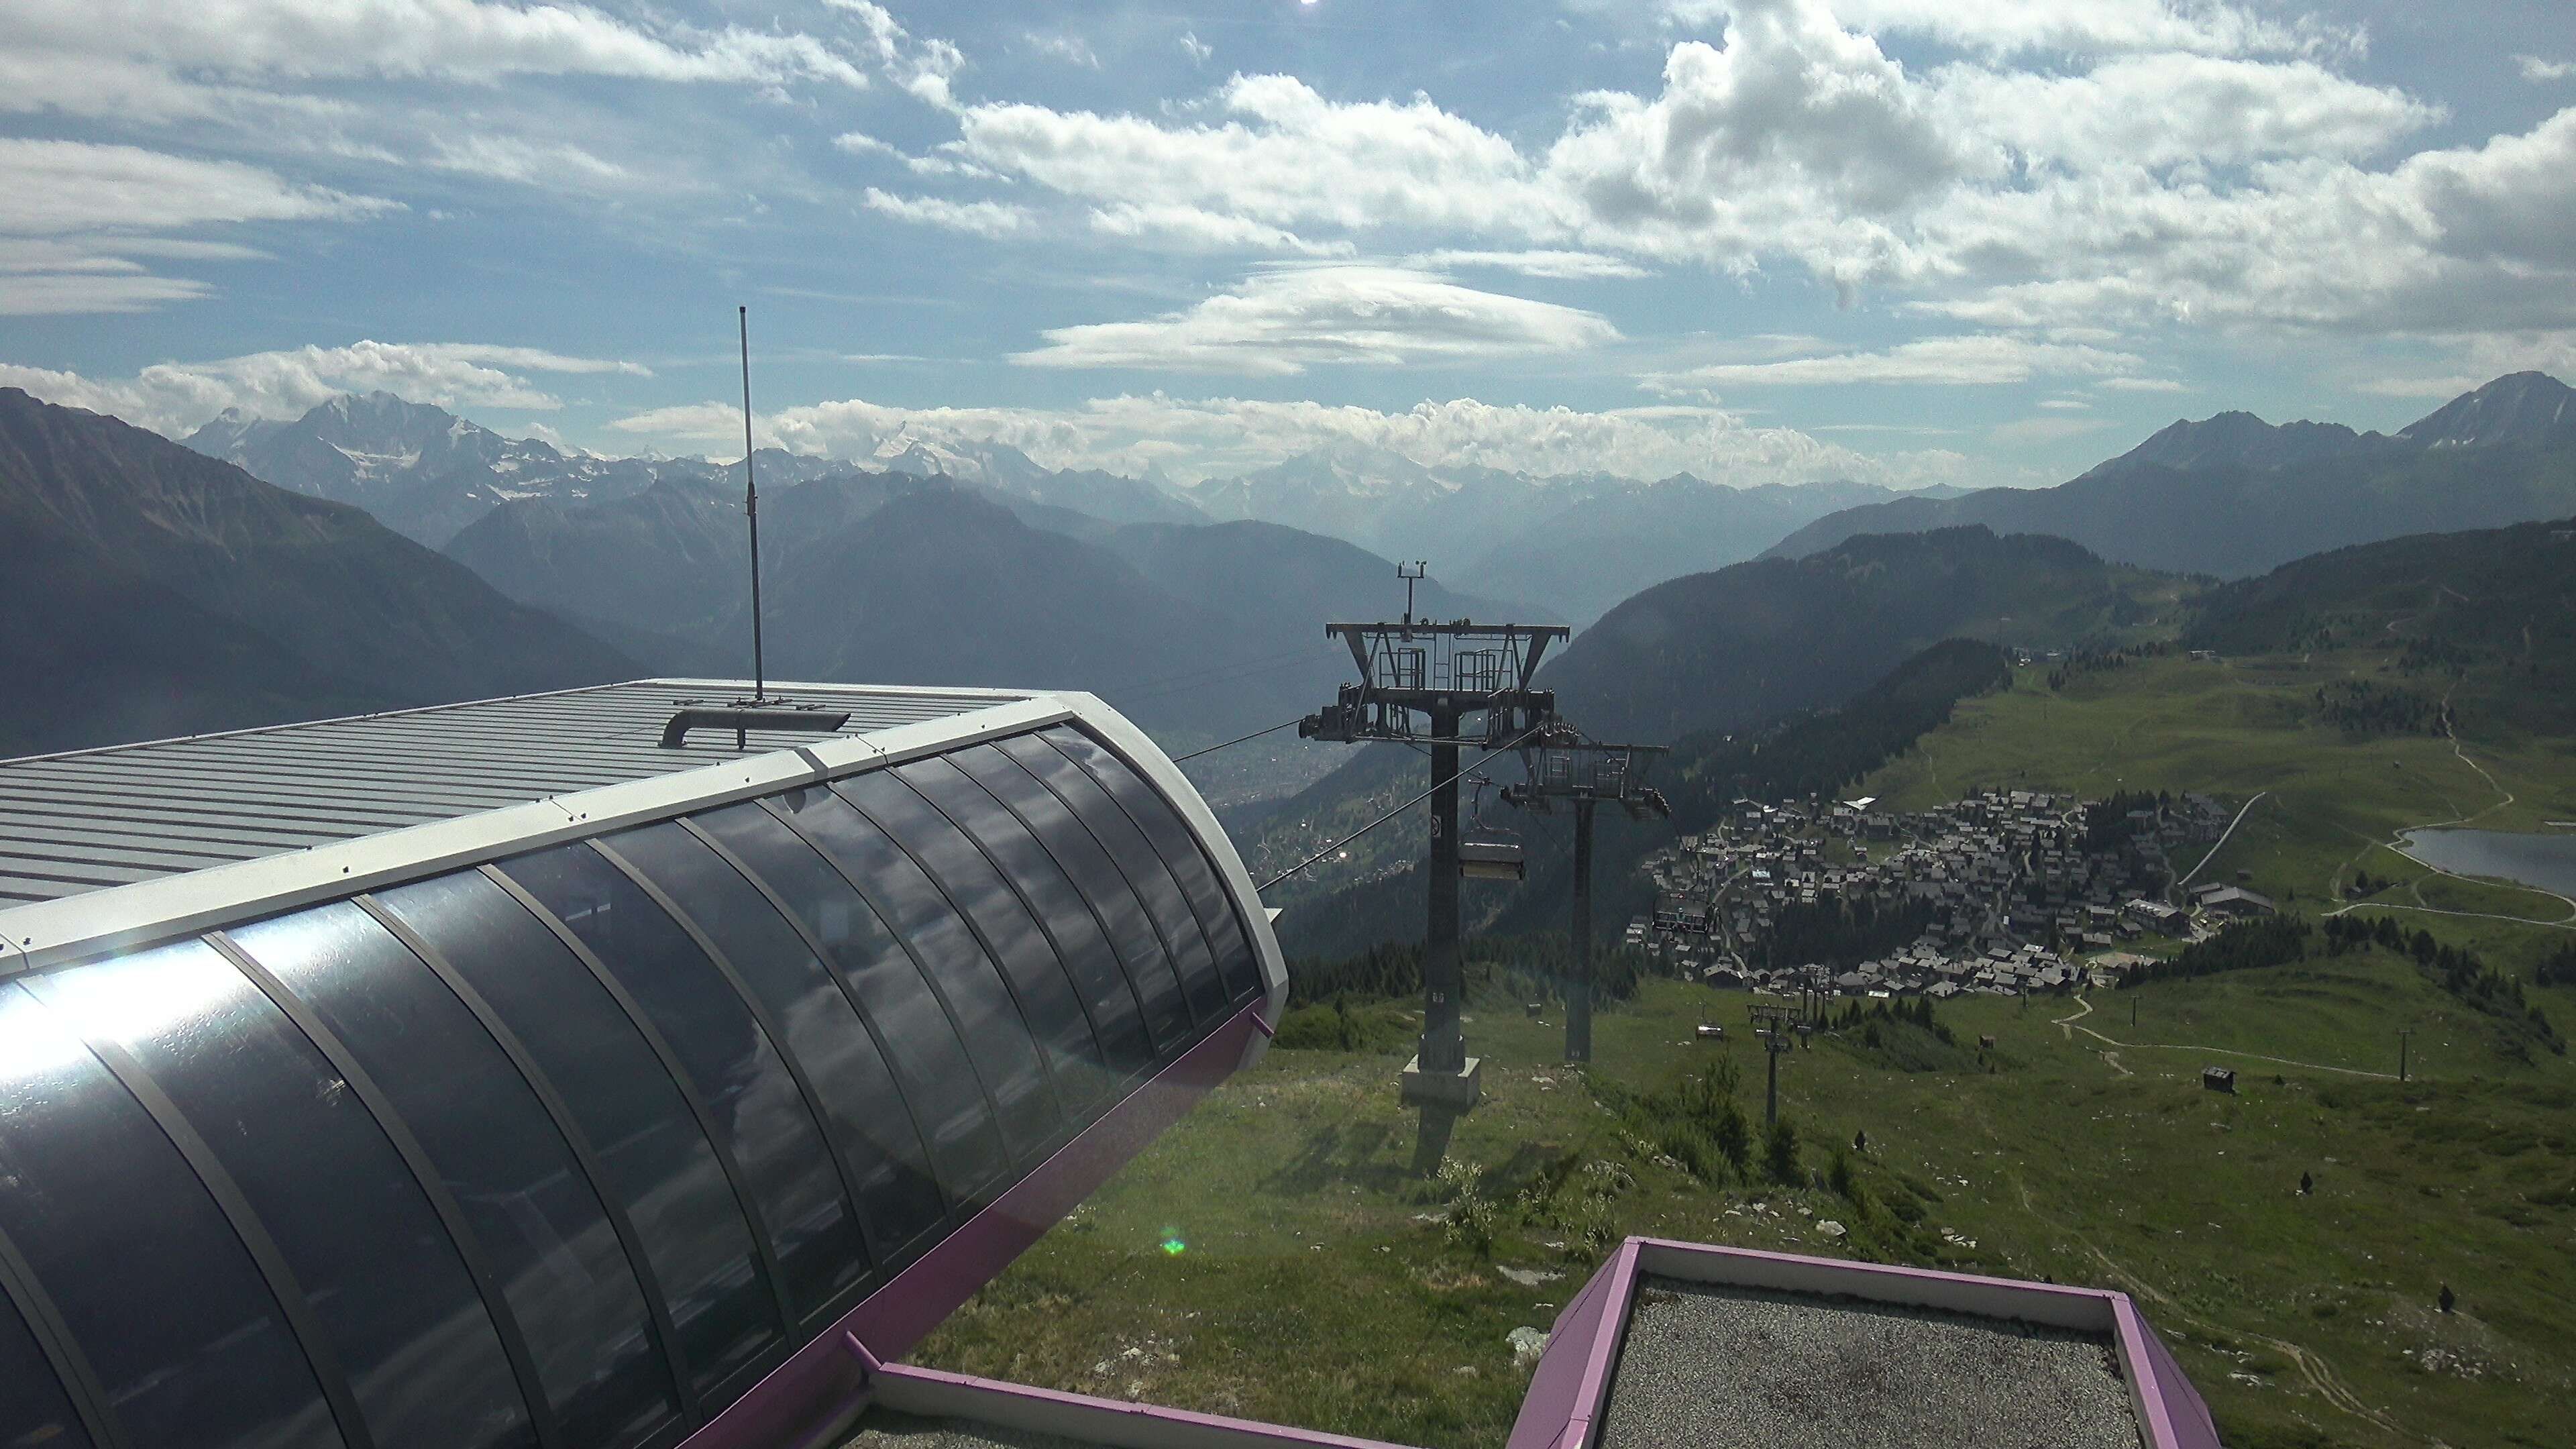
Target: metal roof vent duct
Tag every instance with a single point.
(676, 733)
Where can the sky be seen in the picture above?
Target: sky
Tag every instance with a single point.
(1900, 241)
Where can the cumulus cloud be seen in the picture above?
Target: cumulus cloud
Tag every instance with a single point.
(2538, 70)
(1286, 320)
(979, 218)
(174, 398)
(1191, 439)
(2195, 163)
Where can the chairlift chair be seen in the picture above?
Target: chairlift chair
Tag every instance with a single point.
(1485, 853)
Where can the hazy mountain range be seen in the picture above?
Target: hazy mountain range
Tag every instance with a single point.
(2233, 495)
(151, 590)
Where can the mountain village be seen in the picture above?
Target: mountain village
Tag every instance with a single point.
(2002, 892)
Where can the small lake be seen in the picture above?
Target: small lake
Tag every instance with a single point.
(2546, 861)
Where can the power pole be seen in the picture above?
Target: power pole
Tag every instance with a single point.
(1773, 1024)
(2403, 1033)
(1563, 766)
(1420, 683)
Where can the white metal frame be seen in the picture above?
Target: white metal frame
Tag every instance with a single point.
(70, 928)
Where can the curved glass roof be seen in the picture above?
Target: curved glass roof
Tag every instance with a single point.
(570, 1147)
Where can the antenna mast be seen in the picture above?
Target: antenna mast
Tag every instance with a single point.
(751, 510)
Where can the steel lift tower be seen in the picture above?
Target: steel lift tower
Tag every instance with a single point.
(1439, 686)
(1565, 768)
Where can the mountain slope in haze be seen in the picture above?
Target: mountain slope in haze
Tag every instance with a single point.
(1609, 544)
(1194, 627)
(2487, 615)
(2234, 496)
(1756, 640)
(1578, 542)
(286, 605)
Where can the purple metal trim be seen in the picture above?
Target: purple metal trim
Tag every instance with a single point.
(1572, 1384)
(2169, 1407)
(825, 1382)
(1262, 1024)
(1246, 1431)
(1573, 1372)
(1889, 1270)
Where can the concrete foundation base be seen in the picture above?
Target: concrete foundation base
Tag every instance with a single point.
(1455, 1091)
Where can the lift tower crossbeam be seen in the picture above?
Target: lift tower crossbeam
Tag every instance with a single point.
(1427, 683)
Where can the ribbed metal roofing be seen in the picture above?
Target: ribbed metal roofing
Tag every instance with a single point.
(94, 819)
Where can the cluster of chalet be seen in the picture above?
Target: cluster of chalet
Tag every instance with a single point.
(2014, 883)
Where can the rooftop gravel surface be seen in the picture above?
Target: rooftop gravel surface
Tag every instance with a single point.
(1713, 1367)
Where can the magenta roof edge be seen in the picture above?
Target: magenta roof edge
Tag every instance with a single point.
(935, 1391)
(1589, 1332)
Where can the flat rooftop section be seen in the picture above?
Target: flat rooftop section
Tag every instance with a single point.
(1713, 1366)
(96, 819)
(884, 1428)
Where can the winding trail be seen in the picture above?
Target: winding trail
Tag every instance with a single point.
(2222, 840)
(2069, 1025)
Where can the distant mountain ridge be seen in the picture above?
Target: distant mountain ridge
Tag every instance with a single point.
(2233, 496)
(152, 590)
(430, 475)
(1748, 643)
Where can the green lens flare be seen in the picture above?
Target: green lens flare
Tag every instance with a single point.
(1173, 1246)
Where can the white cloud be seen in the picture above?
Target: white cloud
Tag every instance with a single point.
(1286, 320)
(2143, 384)
(1554, 265)
(1193, 439)
(555, 165)
(2046, 430)
(1975, 360)
(2006, 27)
(2537, 70)
(174, 398)
(1199, 51)
(1071, 49)
(294, 41)
(1187, 228)
(860, 143)
(55, 187)
(980, 218)
(2194, 163)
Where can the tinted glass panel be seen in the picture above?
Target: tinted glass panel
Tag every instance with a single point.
(1148, 964)
(522, 1192)
(758, 1111)
(386, 1285)
(939, 1081)
(987, 1018)
(179, 1327)
(1068, 919)
(1027, 958)
(898, 1198)
(1140, 863)
(1180, 850)
(34, 1410)
(656, 1160)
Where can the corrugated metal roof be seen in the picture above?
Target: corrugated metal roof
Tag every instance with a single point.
(91, 820)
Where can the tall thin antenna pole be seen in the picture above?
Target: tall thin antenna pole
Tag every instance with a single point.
(751, 510)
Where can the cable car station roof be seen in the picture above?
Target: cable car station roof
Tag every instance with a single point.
(95, 819)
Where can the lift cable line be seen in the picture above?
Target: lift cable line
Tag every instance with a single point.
(1238, 739)
(1466, 773)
